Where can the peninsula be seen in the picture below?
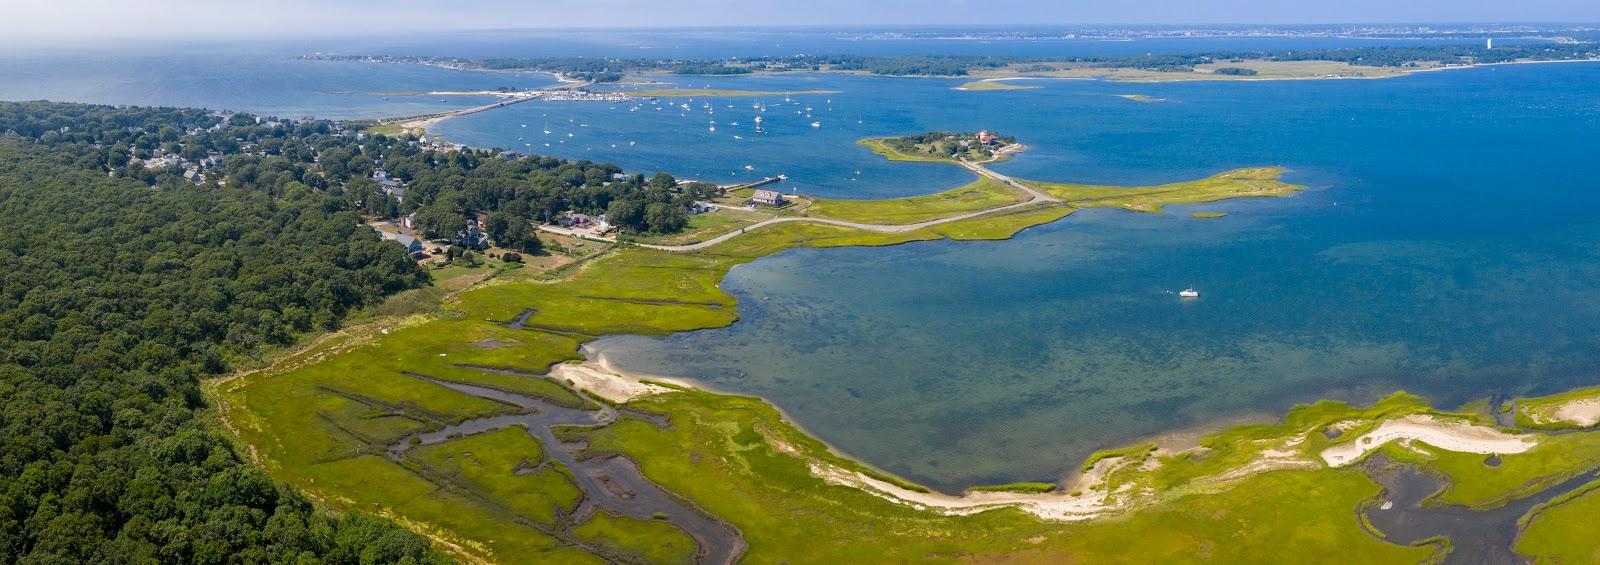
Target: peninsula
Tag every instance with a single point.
(479, 422)
(459, 404)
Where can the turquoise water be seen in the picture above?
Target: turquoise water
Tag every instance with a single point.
(1447, 245)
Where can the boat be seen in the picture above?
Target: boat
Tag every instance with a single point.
(749, 167)
(1189, 293)
(816, 124)
(758, 119)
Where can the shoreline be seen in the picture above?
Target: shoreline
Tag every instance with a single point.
(565, 83)
(1081, 494)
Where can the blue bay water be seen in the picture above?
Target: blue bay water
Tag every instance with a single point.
(1447, 244)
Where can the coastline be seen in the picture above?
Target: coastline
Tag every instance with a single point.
(1087, 494)
(578, 308)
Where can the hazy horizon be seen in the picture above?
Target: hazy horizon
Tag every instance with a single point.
(101, 20)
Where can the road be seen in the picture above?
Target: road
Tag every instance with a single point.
(428, 120)
(1034, 197)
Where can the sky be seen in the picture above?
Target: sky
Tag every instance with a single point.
(92, 19)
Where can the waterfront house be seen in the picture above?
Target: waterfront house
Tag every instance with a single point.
(987, 138)
(767, 198)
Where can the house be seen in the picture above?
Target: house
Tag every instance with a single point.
(767, 198)
(391, 185)
(412, 244)
(987, 138)
(194, 175)
(701, 207)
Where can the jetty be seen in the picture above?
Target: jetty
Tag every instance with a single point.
(563, 91)
(425, 120)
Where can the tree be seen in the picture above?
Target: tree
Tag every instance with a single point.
(440, 221)
(520, 235)
(663, 181)
(627, 213)
(663, 218)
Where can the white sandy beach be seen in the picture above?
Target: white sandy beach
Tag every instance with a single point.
(1453, 436)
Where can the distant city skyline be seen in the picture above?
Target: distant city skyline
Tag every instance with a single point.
(100, 19)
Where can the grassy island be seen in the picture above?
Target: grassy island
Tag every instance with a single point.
(943, 146)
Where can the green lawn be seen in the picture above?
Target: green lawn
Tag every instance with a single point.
(1238, 183)
(982, 194)
(709, 225)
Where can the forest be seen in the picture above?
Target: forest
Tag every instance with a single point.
(116, 297)
(124, 283)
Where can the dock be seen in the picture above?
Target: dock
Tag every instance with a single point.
(763, 182)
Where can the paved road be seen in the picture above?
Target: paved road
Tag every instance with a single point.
(1034, 197)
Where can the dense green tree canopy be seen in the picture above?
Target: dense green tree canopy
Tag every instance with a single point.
(120, 291)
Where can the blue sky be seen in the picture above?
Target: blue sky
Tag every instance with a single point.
(92, 18)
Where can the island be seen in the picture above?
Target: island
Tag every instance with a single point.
(982, 146)
(996, 84)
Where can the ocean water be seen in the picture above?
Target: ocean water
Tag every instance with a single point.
(261, 80)
(1447, 244)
